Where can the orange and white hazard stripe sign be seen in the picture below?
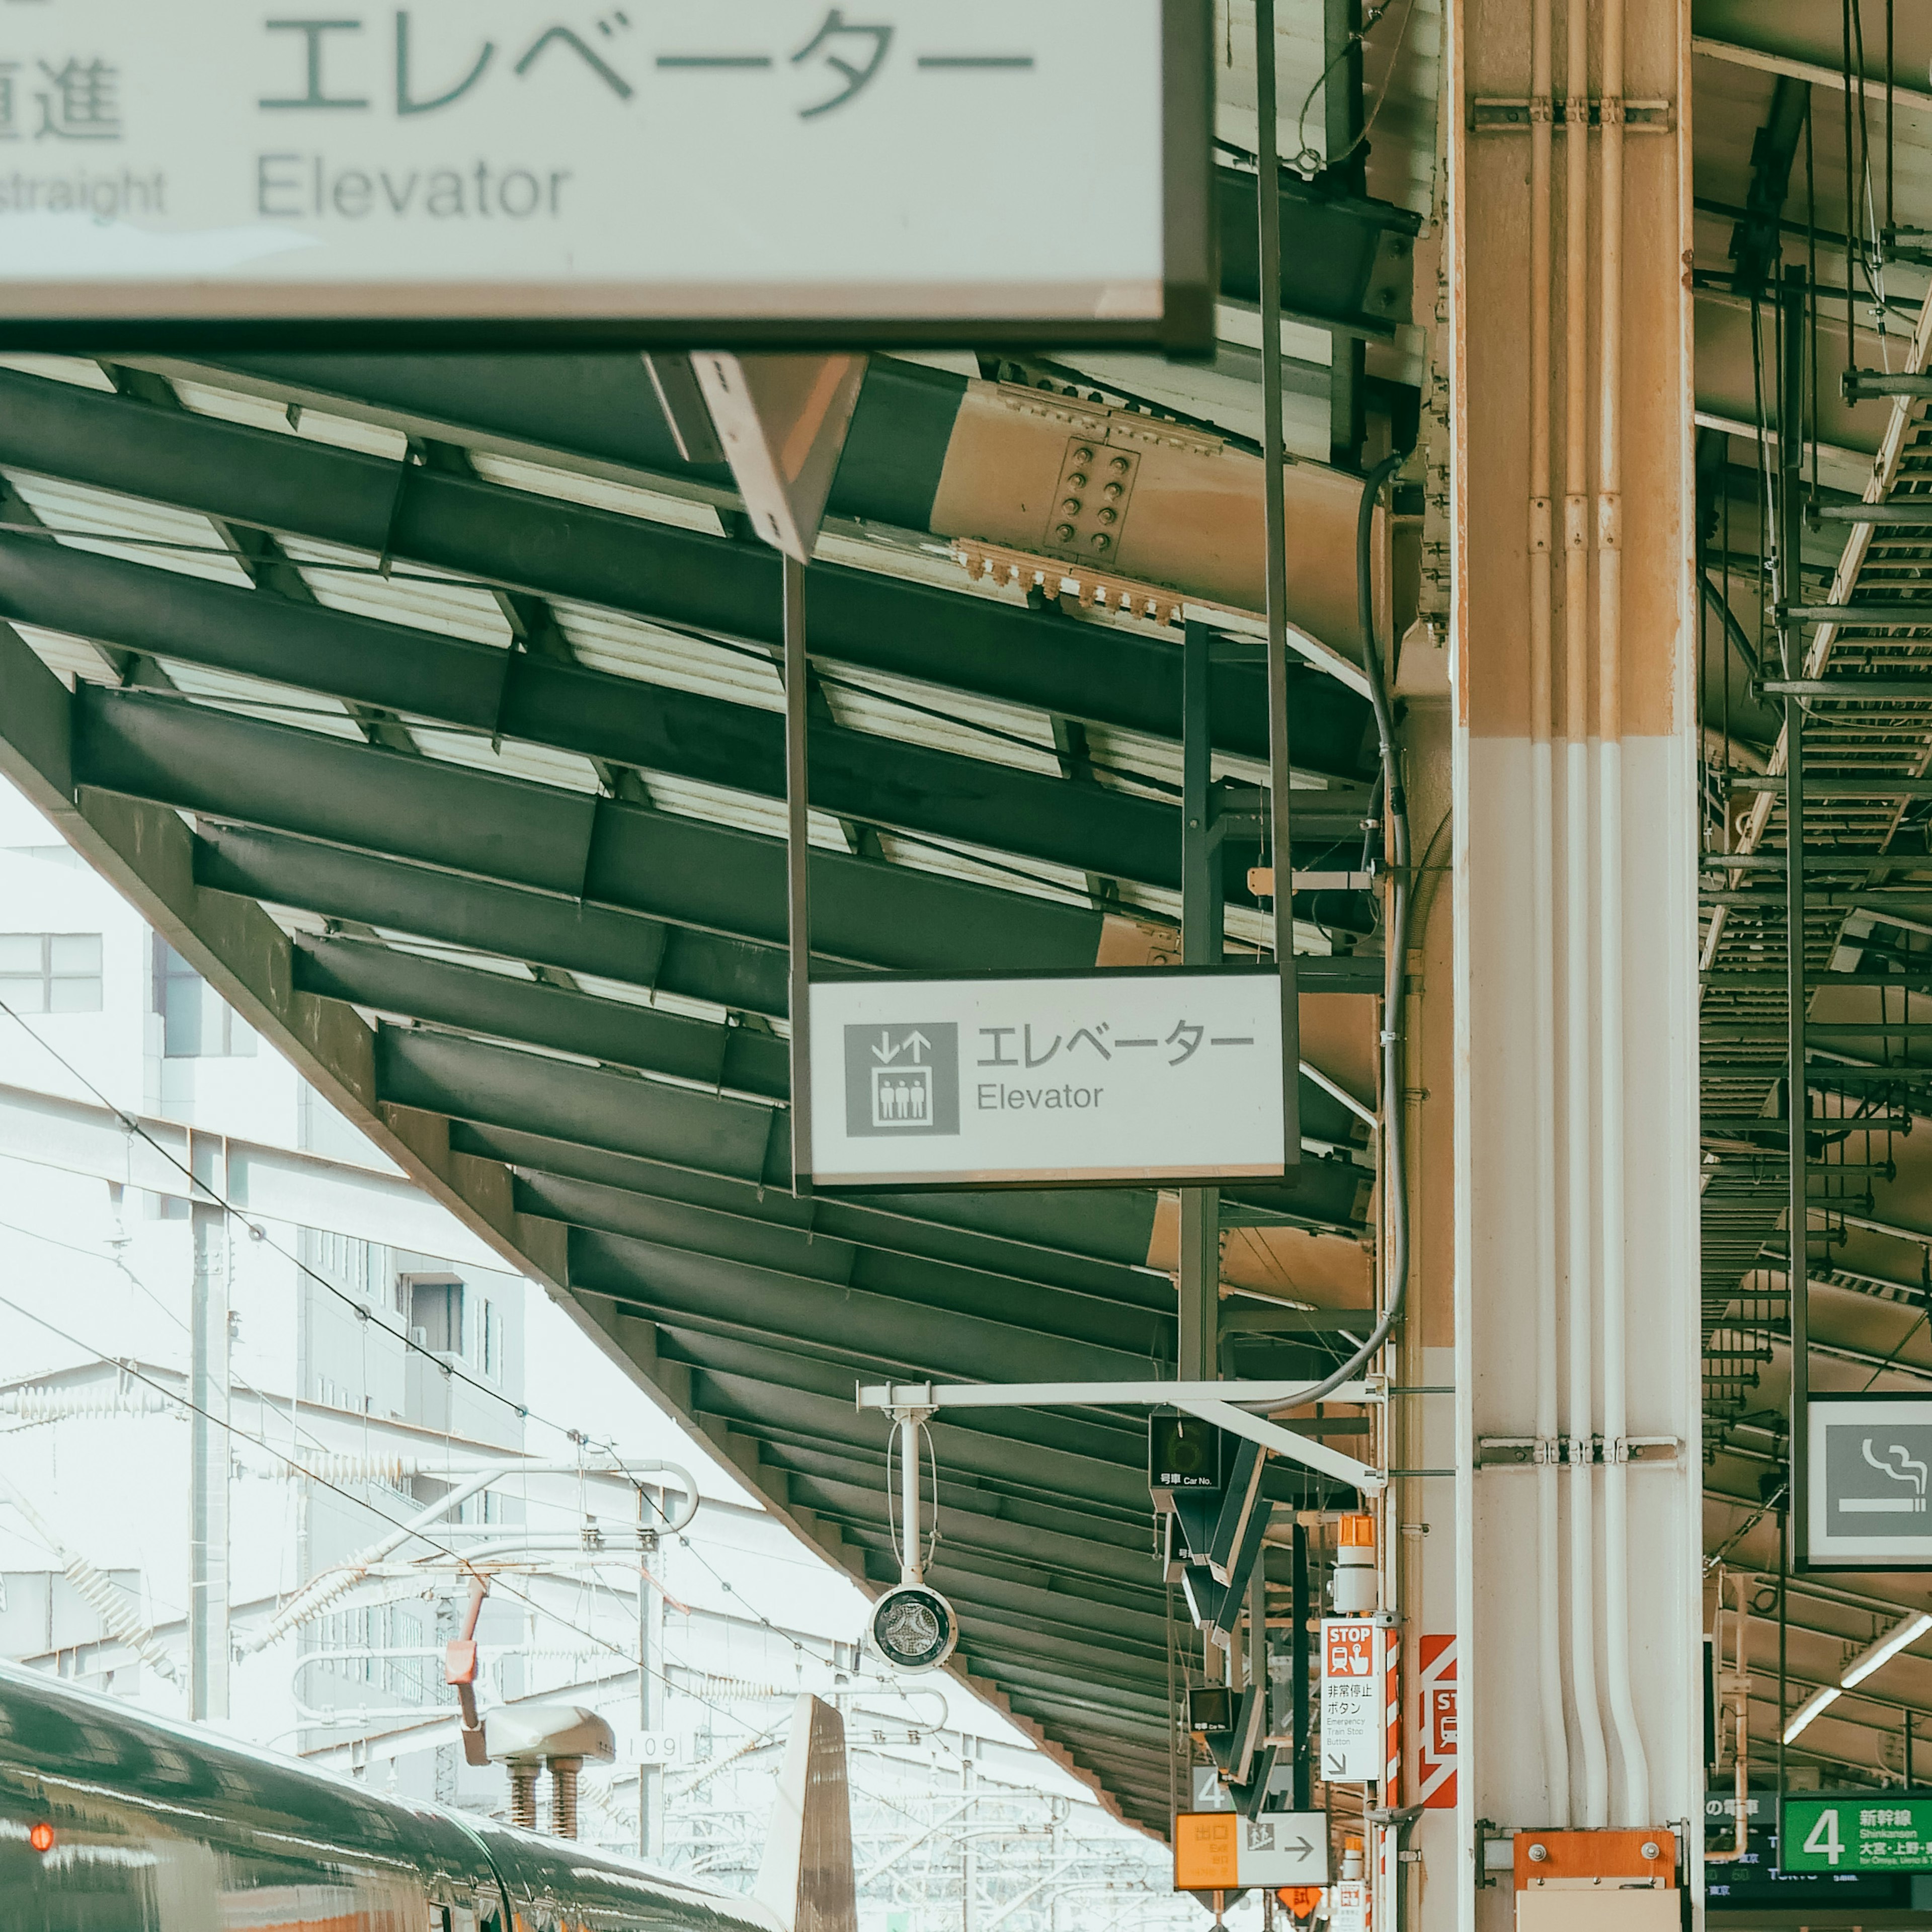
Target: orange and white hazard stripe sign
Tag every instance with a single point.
(1436, 1736)
(1392, 1708)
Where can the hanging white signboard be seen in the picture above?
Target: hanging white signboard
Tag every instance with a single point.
(1120, 1076)
(1353, 1704)
(1869, 1500)
(662, 170)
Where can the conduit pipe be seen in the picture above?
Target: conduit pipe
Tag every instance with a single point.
(1542, 808)
(1610, 925)
(1577, 1016)
(1740, 1685)
(1395, 1181)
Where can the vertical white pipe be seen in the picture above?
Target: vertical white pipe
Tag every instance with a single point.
(910, 1568)
(1610, 992)
(1577, 1016)
(1543, 960)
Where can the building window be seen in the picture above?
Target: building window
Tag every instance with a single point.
(436, 1314)
(51, 972)
(197, 1023)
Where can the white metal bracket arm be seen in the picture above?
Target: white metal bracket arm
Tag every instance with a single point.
(1212, 1401)
(1300, 1449)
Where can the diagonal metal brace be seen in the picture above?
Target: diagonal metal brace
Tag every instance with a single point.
(1284, 1442)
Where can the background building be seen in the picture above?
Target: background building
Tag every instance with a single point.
(368, 1377)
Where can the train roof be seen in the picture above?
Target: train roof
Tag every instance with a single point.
(60, 1735)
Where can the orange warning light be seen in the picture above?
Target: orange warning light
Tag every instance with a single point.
(41, 1837)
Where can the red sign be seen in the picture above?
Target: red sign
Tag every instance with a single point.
(1350, 1649)
(1436, 1748)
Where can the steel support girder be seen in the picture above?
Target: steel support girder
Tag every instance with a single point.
(1087, 1564)
(565, 1182)
(1142, 1772)
(1346, 260)
(807, 1245)
(1014, 1233)
(990, 1636)
(1119, 1610)
(759, 1390)
(1101, 674)
(1094, 1545)
(540, 700)
(698, 1293)
(573, 845)
(486, 916)
(148, 853)
(1035, 1315)
(1124, 1733)
(1048, 1454)
(602, 413)
(725, 1058)
(1023, 1677)
(470, 1080)
(700, 1134)
(464, 1079)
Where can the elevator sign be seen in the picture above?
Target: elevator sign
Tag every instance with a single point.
(665, 170)
(1080, 1078)
(1869, 1459)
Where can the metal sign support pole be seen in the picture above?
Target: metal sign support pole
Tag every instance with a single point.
(1301, 1798)
(1791, 462)
(1282, 850)
(798, 875)
(1199, 1354)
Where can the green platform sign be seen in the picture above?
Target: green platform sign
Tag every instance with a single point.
(1863, 1832)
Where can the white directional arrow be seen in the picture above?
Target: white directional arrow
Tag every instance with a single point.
(1291, 1848)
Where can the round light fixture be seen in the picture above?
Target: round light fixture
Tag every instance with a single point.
(913, 1628)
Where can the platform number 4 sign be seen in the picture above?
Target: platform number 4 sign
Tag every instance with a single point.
(1822, 1840)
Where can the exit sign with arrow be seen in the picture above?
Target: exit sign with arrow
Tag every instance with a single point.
(1216, 1851)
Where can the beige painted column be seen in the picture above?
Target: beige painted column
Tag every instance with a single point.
(1575, 1309)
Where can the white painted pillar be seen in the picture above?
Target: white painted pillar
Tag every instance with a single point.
(1573, 1200)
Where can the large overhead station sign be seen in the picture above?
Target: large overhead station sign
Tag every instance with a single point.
(1071, 1079)
(662, 172)
(1869, 1462)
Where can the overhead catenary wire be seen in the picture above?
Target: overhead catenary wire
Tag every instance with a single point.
(133, 1127)
(453, 1556)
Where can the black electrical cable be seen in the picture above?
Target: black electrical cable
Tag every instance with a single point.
(1395, 1269)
